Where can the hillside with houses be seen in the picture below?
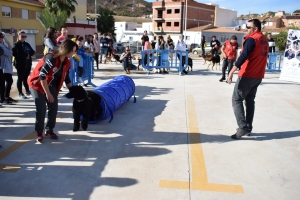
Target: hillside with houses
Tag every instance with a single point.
(131, 8)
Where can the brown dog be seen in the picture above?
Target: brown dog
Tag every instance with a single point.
(215, 60)
(108, 59)
(208, 57)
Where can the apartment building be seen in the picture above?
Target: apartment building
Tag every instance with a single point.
(22, 15)
(169, 15)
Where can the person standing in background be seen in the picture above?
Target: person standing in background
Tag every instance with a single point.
(271, 42)
(104, 46)
(63, 35)
(181, 46)
(22, 51)
(229, 52)
(50, 41)
(215, 45)
(97, 49)
(110, 49)
(6, 64)
(203, 45)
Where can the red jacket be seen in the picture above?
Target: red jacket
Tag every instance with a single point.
(34, 79)
(230, 50)
(255, 65)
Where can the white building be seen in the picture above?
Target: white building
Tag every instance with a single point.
(132, 31)
(224, 17)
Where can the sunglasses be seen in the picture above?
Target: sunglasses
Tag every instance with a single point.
(24, 36)
(248, 27)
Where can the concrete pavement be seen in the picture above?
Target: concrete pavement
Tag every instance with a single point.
(174, 143)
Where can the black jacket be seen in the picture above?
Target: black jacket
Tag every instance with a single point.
(20, 52)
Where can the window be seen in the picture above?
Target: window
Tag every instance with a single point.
(169, 11)
(177, 10)
(188, 38)
(168, 23)
(270, 23)
(6, 11)
(176, 23)
(24, 14)
(37, 14)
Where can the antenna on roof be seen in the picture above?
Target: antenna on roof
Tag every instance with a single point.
(133, 5)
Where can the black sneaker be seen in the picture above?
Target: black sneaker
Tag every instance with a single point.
(248, 132)
(6, 101)
(184, 71)
(239, 134)
(11, 99)
(28, 93)
(222, 79)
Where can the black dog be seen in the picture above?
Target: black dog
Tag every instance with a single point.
(215, 60)
(85, 104)
(117, 58)
(190, 63)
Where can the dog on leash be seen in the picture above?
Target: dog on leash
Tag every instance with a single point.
(207, 57)
(215, 60)
(116, 58)
(190, 63)
(86, 106)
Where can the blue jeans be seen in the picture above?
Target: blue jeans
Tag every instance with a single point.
(133, 67)
(103, 51)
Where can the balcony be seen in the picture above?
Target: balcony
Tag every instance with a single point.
(157, 29)
(158, 17)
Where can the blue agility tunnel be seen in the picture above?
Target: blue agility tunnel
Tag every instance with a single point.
(114, 94)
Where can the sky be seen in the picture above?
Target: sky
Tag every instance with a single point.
(254, 6)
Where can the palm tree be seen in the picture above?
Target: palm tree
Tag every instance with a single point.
(47, 19)
(61, 5)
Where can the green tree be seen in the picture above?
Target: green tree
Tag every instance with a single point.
(281, 38)
(47, 19)
(105, 21)
(61, 5)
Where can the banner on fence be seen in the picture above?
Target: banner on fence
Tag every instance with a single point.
(290, 70)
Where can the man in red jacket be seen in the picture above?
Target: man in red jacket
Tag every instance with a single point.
(251, 64)
(229, 51)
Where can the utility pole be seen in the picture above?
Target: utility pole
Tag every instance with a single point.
(133, 6)
(96, 17)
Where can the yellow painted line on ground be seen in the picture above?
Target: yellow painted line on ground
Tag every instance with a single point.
(199, 180)
(17, 145)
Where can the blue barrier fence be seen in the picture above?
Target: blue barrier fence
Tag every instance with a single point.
(164, 59)
(274, 62)
(88, 70)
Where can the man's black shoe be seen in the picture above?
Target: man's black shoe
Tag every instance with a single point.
(222, 79)
(184, 71)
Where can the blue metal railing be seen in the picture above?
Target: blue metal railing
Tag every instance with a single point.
(164, 59)
(274, 62)
(88, 70)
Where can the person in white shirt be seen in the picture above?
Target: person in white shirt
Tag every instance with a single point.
(90, 44)
(181, 46)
